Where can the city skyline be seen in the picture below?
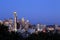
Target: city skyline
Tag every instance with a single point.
(37, 11)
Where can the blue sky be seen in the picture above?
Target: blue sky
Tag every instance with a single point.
(37, 11)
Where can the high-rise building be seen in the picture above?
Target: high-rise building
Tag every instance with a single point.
(1, 22)
(23, 21)
(10, 21)
(10, 24)
(26, 24)
(10, 28)
(56, 27)
(38, 27)
(6, 22)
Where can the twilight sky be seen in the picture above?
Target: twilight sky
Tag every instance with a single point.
(37, 11)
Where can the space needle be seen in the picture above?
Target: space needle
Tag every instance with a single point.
(15, 21)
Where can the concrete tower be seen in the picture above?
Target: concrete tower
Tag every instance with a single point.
(15, 22)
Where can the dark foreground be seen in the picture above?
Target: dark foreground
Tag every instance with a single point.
(40, 36)
(5, 35)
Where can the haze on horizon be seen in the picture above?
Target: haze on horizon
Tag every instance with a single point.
(37, 11)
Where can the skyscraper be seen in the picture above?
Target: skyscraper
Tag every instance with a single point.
(10, 24)
(26, 24)
(38, 27)
(23, 21)
(1, 22)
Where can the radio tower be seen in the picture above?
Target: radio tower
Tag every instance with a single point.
(15, 22)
